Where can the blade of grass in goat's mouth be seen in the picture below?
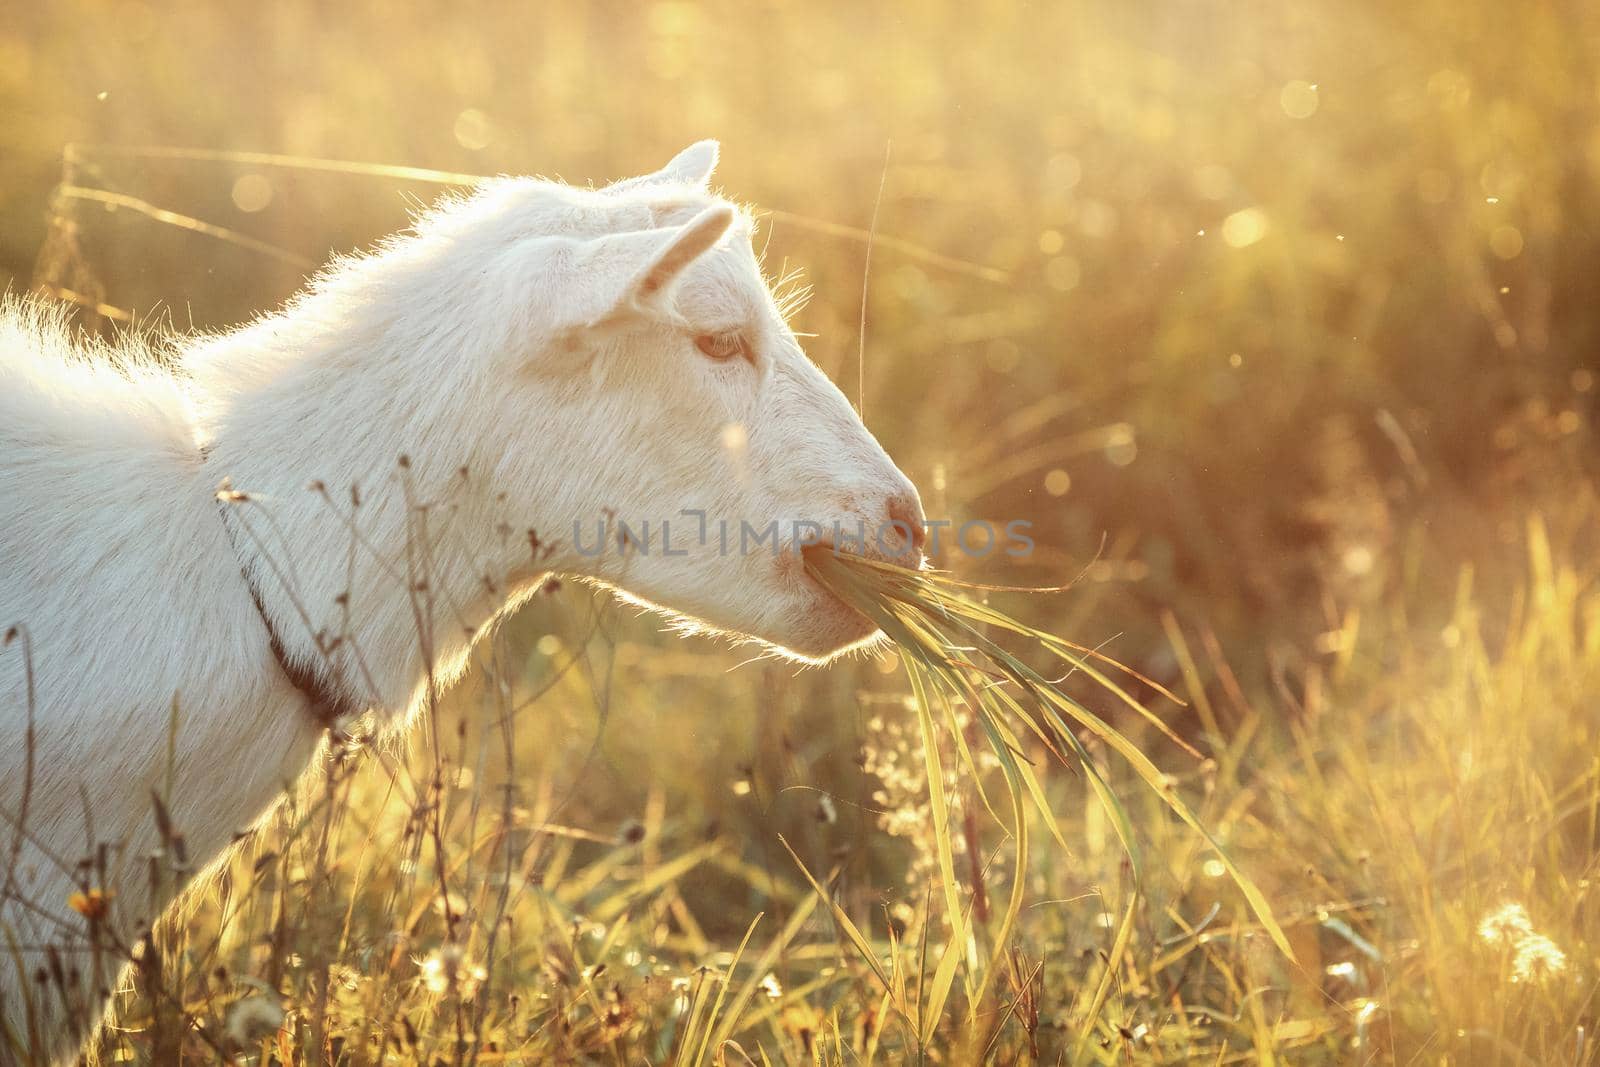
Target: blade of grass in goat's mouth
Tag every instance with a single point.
(942, 630)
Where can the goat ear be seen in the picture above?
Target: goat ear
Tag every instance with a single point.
(627, 274)
(692, 166)
(687, 244)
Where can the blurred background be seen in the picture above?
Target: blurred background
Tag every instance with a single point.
(1235, 291)
(1263, 315)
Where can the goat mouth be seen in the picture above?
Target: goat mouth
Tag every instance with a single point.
(910, 560)
(813, 551)
(810, 553)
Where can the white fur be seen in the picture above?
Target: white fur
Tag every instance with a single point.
(530, 349)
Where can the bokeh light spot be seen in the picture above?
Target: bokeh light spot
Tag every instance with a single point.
(1299, 100)
(1097, 218)
(251, 192)
(1063, 172)
(1057, 482)
(1121, 448)
(472, 129)
(1244, 228)
(1358, 560)
(1506, 242)
(1063, 273)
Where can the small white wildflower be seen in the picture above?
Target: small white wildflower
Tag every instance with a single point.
(433, 976)
(348, 978)
(1537, 958)
(253, 1018)
(1508, 924)
(448, 970)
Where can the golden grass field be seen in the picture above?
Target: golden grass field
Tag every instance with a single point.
(1279, 323)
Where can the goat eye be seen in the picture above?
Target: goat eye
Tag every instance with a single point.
(724, 346)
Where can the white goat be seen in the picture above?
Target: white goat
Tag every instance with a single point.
(528, 362)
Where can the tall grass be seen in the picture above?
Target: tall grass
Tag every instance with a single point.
(942, 635)
(1298, 464)
(1422, 820)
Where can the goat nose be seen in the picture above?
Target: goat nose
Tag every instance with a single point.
(905, 513)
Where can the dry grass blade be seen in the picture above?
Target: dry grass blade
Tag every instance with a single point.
(733, 1020)
(77, 154)
(942, 634)
(184, 222)
(862, 946)
(712, 1020)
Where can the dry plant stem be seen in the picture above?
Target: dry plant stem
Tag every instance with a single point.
(939, 631)
(76, 153)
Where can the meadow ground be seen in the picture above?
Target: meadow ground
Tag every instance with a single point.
(1278, 325)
